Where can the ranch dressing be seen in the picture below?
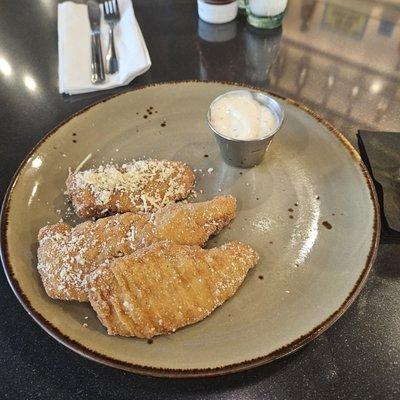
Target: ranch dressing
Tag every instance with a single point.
(240, 116)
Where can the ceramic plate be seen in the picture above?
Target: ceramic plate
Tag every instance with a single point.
(309, 210)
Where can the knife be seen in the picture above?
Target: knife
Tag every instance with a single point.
(97, 56)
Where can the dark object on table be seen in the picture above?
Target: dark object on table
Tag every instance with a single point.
(380, 152)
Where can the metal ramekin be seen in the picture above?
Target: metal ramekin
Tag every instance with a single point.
(247, 153)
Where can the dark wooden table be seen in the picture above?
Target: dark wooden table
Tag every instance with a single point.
(341, 58)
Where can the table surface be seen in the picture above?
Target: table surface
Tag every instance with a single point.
(341, 58)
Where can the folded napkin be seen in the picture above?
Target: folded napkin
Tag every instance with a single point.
(381, 154)
(74, 54)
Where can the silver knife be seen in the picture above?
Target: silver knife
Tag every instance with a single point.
(97, 56)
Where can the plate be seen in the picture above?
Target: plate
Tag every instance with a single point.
(309, 209)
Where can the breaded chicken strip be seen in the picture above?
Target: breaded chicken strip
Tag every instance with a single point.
(193, 223)
(140, 186)
(167, 286)
(67, 255)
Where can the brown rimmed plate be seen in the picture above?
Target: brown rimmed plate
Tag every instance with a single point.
(309, 209)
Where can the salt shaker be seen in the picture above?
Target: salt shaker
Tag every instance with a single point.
(217, 11)
(265, 13)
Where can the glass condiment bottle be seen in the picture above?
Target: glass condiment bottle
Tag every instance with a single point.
(265, 13)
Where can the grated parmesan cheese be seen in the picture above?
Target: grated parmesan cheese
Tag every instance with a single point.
(144, 185)
(83, 162)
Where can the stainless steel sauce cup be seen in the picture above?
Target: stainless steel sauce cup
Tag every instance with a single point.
(247, 153)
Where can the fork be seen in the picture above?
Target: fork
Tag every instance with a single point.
(112, 16)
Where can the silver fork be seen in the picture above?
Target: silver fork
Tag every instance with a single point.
(112, 16)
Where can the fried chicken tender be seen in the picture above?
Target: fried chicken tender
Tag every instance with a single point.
(67, 255)
(140, 186)
(167, 286)
(193, 223)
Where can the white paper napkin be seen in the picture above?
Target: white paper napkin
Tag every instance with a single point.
(74, 54)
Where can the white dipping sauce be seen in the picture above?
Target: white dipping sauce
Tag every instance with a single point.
(240, 116)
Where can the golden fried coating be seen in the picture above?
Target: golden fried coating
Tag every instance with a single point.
(193, 223)
(67, 255)
(140, 186)
(167, 286)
